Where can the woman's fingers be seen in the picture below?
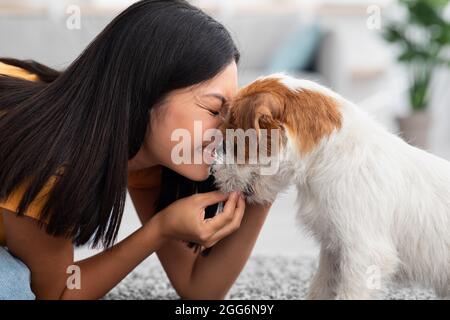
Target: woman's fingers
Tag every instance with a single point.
(217, 222)
(230, 227)
(210, 198)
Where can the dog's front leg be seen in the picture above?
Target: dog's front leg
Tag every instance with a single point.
(354, 282)
(323, 285)
(363, 269)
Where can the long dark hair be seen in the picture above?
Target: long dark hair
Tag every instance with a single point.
(83, 124)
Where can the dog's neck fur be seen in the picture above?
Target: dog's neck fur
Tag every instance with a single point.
(357, 132)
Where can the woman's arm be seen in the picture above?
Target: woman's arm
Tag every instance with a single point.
(192, 275)
(211, 277)
(49, 257)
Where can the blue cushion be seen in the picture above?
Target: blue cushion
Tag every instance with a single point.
(297, 52)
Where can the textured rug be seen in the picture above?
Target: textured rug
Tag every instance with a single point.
(264, 277)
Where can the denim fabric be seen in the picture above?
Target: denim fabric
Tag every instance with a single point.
(15, 278)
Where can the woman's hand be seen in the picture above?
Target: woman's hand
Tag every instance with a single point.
(184, 219)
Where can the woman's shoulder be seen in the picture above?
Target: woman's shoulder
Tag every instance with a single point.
(145, 178)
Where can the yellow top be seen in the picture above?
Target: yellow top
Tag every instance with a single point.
(141, 179)
(14, 71)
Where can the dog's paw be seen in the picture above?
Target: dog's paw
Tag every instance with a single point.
(321, 294)
(354, 295)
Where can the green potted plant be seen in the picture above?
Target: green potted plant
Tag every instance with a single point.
(423, 36)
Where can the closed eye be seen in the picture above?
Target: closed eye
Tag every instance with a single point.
(211, 111)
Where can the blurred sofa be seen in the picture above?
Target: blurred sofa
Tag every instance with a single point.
(269, 42)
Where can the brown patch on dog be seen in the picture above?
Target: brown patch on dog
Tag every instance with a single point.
(269, 104)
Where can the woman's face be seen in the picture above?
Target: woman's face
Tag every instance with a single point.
(184, 116)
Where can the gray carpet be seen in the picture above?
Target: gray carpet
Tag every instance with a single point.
(264, 277)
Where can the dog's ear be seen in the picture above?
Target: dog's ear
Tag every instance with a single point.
(309, 116)
(268, 112)
(259, 111)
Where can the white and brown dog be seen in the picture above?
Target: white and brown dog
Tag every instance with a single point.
(377, 205)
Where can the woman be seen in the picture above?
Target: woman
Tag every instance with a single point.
(72, 142)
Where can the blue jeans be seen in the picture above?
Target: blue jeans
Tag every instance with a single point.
(15, 278)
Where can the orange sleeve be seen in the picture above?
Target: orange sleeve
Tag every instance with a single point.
(14, 71)
(35, 207)
(13, 200)
(140, 179)
(145, 178)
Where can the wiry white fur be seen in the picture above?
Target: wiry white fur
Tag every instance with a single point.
(377, 205)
